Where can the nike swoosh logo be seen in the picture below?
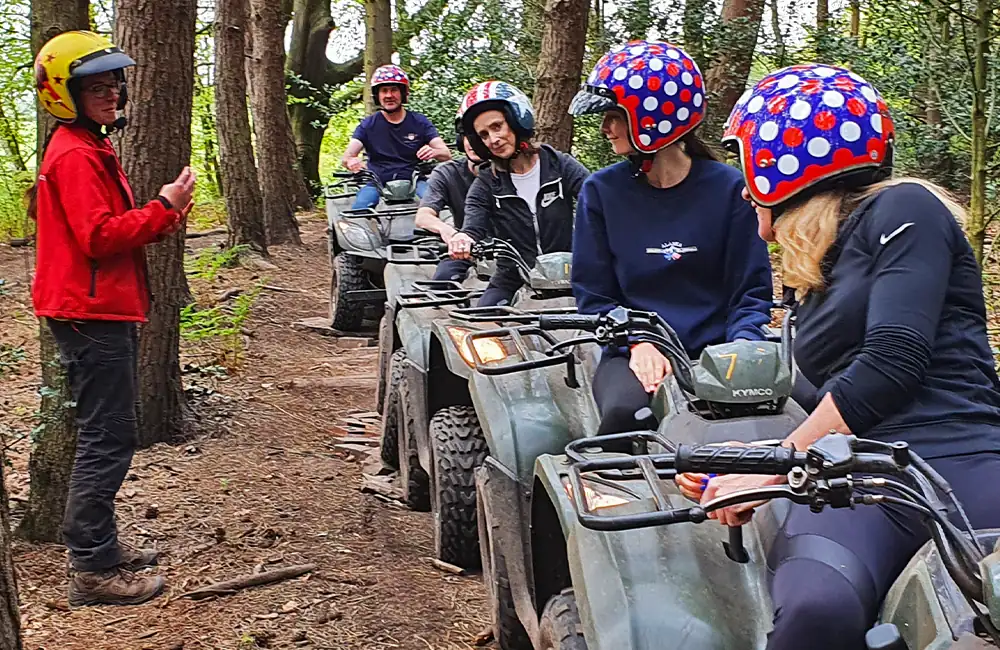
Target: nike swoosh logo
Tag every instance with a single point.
(884, 239)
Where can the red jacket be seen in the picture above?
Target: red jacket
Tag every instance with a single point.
(90, 259)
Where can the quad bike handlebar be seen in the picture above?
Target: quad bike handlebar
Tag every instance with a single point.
(836, 471)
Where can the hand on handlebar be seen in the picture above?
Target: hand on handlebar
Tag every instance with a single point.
(355, 164)
(740, 513)
(460, 246)
(649, 366)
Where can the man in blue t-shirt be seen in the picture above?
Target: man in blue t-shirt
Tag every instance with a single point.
(394, 139)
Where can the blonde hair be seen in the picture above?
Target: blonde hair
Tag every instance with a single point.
(806, 231)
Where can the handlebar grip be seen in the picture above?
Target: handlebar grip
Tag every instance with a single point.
(717, 459)
(587, 322)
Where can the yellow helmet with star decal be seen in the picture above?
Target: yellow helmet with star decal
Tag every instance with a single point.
(69, 56)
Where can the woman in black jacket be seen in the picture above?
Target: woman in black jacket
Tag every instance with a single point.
(526, 196)
(891, 328)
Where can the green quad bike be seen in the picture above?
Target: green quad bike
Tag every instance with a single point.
(583, 550)
(358, 240)
(431, 422)
(409, 269)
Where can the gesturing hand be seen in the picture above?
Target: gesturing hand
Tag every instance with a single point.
(179, 192)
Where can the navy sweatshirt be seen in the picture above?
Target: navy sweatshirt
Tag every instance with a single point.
(690, 253)
(899, 335)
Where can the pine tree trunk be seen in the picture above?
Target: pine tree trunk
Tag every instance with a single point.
(155, 147)
(10, 612)
(559, 69)
(727, 78)
(281, 180)
(976, 226)
(54, 447)
(378, 42)
(855, 19)
(822, 29)
(244, 206)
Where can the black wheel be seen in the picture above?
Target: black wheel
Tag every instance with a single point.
(415, 482)
(507, 628)
(392, 418)
(560, 627)
(347, 276)
(459, 448)
(385, 342)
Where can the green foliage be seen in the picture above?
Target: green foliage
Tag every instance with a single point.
(206, 264)
(220, 325)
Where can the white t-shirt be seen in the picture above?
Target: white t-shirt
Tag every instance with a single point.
(527, 184)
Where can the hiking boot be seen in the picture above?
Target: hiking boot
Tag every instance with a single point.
(112, 587)
(134, 558)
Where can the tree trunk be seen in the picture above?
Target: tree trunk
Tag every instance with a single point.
(559, 69)
(311, 27)
(378, 42)
(281, 179)
(822, 29)
(155, 148)
(976, 227)
(9, 135)
(208, 129)
(244, 206)
(10, 613)
(727, 78)
(855, 19)
(779, 37)
(54, 446)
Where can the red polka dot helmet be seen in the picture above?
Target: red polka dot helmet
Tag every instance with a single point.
(806, 128)
(500, 96)
(390, 74)
(656, 84)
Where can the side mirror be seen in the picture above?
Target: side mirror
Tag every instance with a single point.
(885, 637)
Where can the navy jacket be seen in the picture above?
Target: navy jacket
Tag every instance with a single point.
(690, 253)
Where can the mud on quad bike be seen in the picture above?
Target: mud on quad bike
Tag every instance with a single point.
(432, 414)
(586, 549)
(358, 240)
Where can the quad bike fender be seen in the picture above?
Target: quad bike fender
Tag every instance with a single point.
(521, 418)
(635, 588)
(415, 428)
(414, 335)
(925, 604)
(506, 500)
(399, 278)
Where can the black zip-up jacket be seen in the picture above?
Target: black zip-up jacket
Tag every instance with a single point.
(898, 337)
(493, 206)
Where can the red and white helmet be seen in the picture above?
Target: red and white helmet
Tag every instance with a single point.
(390, 74)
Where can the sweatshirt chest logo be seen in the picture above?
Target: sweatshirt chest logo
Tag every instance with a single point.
(549, 198)
(672, 251)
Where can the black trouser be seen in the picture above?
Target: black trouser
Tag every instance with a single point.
(619, 394)
(501, 289)
(835, 568)
(452, 270)
(100, 359)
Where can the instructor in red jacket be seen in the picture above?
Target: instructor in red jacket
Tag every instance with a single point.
(91, 287)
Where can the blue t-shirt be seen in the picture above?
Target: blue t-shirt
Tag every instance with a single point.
(690, 253)
(392, 148)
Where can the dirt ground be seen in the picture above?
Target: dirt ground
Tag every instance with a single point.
(261, 487)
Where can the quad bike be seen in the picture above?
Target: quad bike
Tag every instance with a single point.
(585, 548)
(431, 423)
(358, 241)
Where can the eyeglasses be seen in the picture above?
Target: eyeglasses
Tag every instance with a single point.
(104, 91)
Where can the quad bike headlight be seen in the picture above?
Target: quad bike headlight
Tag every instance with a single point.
(356, 235)
(596, 496)
(489, 349)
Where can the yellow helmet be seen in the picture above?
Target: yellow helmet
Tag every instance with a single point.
(72, 55)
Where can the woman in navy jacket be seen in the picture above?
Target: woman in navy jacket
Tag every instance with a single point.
(891, 326)
(665, 231)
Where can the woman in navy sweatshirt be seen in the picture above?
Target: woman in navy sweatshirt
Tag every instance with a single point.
(891, 326)
(665, 231)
